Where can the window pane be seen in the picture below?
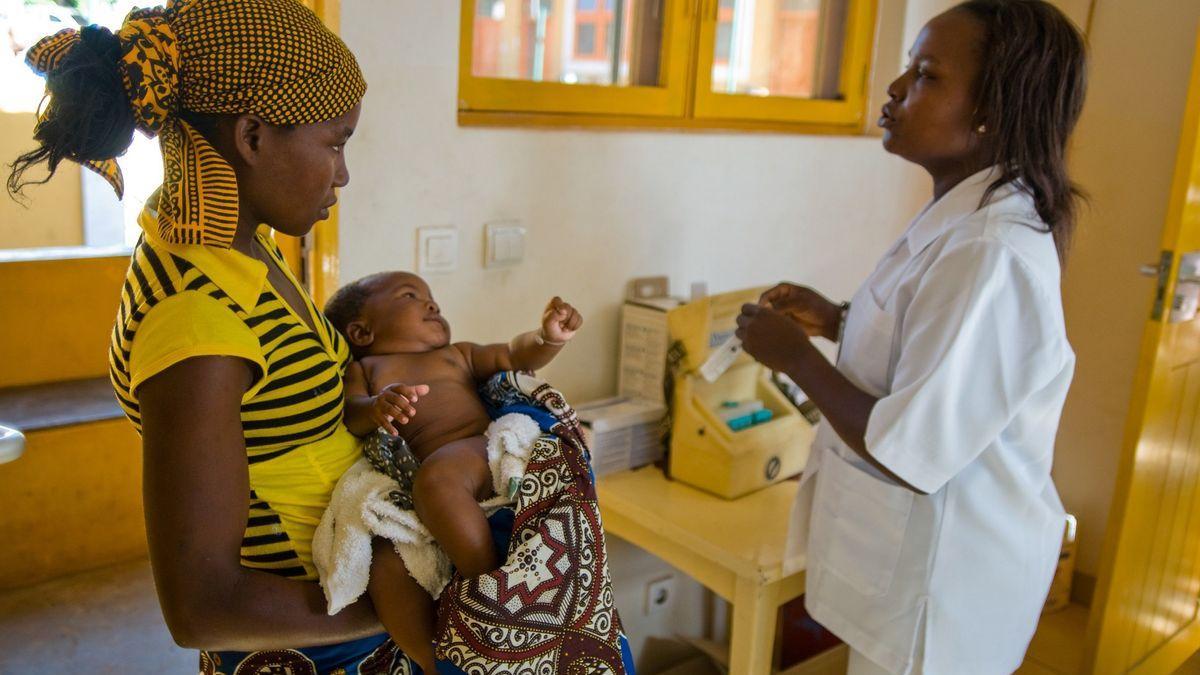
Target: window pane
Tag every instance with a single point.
(779, 47)
(724, 41)
(76, 208)
(612, 42)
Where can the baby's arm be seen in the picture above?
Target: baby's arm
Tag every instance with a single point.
(365, 413)
(528, 351)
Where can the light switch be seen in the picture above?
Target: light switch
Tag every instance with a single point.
(504, 243)
(437, 249)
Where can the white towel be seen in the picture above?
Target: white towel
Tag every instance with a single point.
(510, 443)
(359, 510)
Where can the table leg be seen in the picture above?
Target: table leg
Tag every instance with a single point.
(752, 642)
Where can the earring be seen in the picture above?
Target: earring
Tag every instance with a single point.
(982, 129)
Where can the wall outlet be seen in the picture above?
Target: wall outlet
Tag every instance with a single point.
(660, 594)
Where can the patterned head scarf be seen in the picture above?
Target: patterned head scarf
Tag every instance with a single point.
(271, 58)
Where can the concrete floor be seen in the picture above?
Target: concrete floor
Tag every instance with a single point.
(106, 621)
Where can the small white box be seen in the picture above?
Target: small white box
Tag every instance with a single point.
(622, 433)
(437, 249)
(504, 243)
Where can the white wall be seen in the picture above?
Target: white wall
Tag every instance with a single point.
(734, 210)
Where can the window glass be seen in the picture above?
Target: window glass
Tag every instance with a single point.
(76, 208)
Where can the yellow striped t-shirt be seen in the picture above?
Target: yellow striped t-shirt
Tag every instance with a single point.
(183, 300)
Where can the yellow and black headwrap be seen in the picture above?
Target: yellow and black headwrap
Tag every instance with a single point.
(271, 58)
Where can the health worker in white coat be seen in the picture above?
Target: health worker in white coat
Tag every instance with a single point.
(927, 518)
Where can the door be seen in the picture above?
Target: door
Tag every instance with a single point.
(1144, 617)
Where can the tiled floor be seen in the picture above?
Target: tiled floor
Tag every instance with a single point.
(108, 621)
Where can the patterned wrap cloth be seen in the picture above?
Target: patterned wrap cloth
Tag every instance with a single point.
(549, 608)
(271, 58)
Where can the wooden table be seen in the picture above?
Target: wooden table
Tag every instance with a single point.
(733, 547)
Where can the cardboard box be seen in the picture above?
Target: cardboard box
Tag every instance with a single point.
(645, 340)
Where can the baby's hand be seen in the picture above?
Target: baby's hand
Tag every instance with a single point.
(560, 321)
(395, 404)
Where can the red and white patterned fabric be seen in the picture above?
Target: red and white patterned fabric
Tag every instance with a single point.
(549, 609)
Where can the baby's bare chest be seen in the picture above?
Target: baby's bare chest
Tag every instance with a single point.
(441, 367)
(450, 410)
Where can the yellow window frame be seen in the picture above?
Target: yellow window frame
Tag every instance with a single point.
(685, 100)
(491, 94)
(854, 78)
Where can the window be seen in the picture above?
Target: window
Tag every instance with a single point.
(77, 213)
(785, 60)
(799, 64)
(585, 42)
(535, 50)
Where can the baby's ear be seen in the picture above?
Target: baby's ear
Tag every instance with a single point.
(359, 333)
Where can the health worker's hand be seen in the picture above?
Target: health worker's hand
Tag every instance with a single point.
(771, 337)
(815, 313)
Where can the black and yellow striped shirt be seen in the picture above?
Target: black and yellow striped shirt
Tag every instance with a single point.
(181, 301)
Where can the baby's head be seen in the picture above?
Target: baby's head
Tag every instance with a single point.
(388, 313)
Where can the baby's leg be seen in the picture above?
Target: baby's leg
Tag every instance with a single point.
(404, 608)
(449, 486)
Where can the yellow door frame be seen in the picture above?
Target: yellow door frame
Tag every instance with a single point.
(314, 257)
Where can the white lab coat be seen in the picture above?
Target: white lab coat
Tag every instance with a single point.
(960, 333)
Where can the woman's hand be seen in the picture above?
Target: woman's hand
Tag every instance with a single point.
(395, 404)
(560, 321)
(771, 337)
(815, 313)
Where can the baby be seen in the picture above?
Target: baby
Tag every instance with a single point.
(410, 380)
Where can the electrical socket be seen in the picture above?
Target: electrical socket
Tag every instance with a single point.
(660, 594)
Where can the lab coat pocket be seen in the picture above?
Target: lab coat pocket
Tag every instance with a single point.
(866, 519)
(866, 355)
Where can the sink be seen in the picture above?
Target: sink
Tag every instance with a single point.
(12, 444)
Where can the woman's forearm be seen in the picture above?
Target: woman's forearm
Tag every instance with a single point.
(843, 405)
(250, 610)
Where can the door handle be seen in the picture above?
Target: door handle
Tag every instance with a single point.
(1149, 270)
